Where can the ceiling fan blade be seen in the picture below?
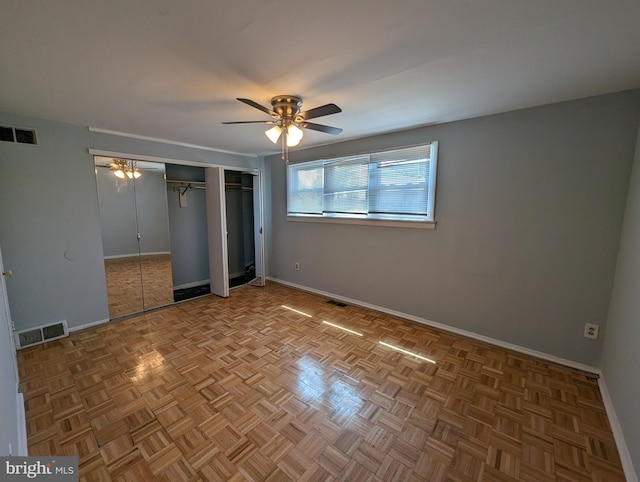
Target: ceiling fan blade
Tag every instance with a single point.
(322, 128)
(258, 106)
(326, 109)
(250, 122)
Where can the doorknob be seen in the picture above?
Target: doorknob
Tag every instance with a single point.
(7, 273)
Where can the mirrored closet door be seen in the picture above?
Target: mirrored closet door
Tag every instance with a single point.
(132, 199)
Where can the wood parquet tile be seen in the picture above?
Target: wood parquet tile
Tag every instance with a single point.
(245, 389)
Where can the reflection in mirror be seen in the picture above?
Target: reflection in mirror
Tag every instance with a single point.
(135, 234)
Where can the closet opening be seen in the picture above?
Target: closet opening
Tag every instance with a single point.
(186, 199)
(241, 249)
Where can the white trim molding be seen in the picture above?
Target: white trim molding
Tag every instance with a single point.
(166, 141)
(22, 448)
(370, 221)
(469, 334)
(193, 284)
(618, 435)
(91, 324)
(135, 255)
(167, 160)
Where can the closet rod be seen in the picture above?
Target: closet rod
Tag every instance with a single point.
(186, 184)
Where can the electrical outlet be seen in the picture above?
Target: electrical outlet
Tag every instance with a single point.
(297, 266)
(591, 331)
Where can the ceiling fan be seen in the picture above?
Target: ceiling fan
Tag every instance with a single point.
(288, 120)
(123, 168)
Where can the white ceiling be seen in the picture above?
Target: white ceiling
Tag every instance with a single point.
(171, 69)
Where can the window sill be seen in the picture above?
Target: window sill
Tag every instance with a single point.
(369, 221)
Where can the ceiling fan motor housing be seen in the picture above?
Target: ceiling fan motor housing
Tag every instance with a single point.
(286, 106)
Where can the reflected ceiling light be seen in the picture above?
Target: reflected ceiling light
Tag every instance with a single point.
(406, 352)
(123, 168)
(296, 311)
(342, 328)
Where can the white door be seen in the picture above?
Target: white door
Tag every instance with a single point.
(217, 230)
(5, 319)
(258, 230)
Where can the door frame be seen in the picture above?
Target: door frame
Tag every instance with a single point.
(9, 322)
(217, 231)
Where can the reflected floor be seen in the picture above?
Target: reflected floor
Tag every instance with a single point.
(124, 278)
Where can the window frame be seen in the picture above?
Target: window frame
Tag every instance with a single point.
(378, 219)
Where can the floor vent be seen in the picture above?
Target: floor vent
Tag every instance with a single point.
(41, 334)
(17, 134)
(337, 303)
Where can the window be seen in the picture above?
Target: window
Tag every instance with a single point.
(395, 185)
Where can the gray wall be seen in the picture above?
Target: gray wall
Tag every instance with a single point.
(117, 214)
(50, 226)
(529, 207)
(125, 211)
(621, 354)
(188, 226)
(49, 220)
(151, 207)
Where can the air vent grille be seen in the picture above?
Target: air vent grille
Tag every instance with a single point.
(6, 134)
(18, 134)
(30, 337)
(41, 334)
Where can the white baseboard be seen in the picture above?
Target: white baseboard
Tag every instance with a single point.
(22, 449)
(191, 285)
(618, 435)
(132, 255)
(450, 329)
(87, 325)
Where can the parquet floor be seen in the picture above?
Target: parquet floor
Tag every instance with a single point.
(136, 283)
(244, 388)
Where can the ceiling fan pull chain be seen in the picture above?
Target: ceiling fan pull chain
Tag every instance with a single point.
(285, 147)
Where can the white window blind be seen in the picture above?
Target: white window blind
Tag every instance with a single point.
(399, 181)
(397, 184)
(346, 183)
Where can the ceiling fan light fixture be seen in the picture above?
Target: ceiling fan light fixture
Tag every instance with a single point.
(274, 133)
(124, 169)
(294, 135)
(288, 118)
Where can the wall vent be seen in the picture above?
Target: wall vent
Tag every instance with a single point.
(41, 334)
(18, 134)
